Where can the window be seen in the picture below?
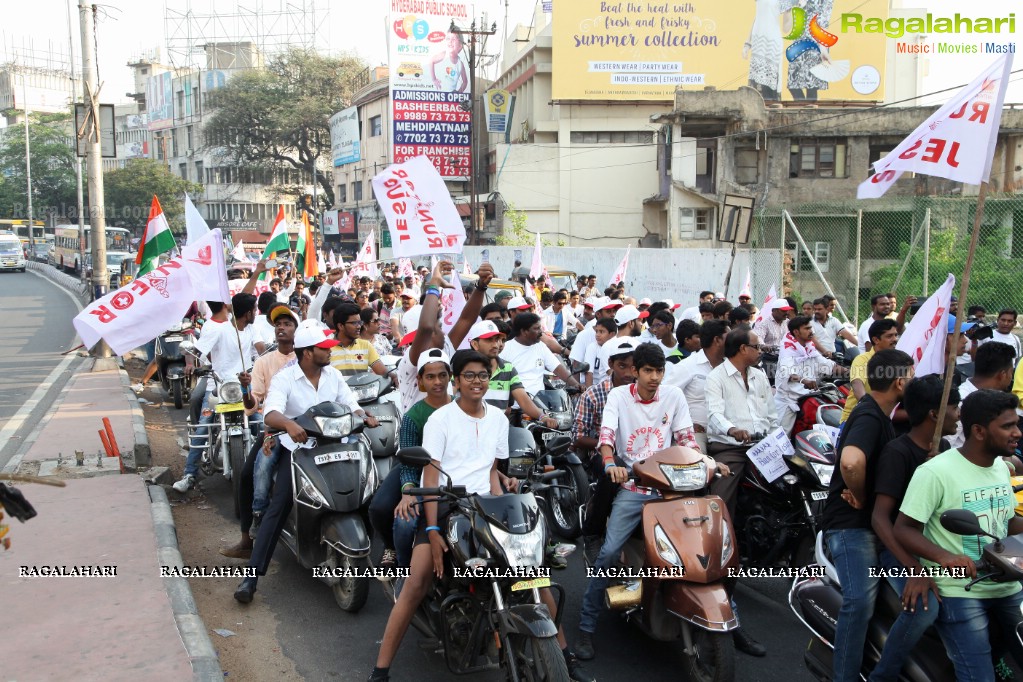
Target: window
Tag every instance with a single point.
(183, 169)
(747, 166)
(374, 127)
(174, 141)
(357, 190)
(342, 194)
(180, 113)
(821, 252)
(198, 171)
(190, 138)
(636, 137)
(817, 158)
(694, 223)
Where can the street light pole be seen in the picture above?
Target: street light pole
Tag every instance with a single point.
(28, 169)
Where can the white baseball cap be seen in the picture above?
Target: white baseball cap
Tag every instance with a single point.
(646, 301)
(484, 329)
(622, 345)
(409, 324)
(314, 333)
(606, 302)
(628, 313)
(518, 303)
(591, 302)
(432, 355)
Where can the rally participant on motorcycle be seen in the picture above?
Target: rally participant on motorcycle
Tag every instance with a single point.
(800, 366)
(354, 355)
(899, 460)
(297, 387)
(827, 329)
(969, 477)
(992, 368)
(692, 374)
(465, 438)
(884, 335)
(772, 328)
(259, 465)
(638, 420)
(231, 347)
(531, 357)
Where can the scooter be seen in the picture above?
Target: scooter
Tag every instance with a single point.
(376, 395)
(334, 479)
(486, 622)
(816, 602)
(171, 363)
(686, 540)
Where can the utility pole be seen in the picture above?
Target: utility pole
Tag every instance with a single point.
(94, 159)
(475, 36)
(28, 170)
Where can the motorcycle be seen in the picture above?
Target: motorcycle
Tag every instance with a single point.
(816, 602)
(172, 363)
(776, 521)
(333, 480)
(685, 539)
(823, 406)
(376, 395)
(491, 622)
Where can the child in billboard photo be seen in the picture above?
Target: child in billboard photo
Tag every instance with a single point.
(802, 84)
(452, 75)
(765, 48)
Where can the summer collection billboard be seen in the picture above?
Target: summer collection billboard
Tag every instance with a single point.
(646, 49)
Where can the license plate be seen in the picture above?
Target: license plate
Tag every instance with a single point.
(229, 407)
(819, 495)
(172, 339)
(530, 584)
(549, 436)
(343, 456)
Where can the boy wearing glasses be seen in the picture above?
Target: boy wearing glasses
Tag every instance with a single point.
(353, 355)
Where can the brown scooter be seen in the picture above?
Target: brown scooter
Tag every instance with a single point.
(682, 552)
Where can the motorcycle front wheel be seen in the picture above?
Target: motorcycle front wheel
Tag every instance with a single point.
(537, 660)
(563, 505)
(350, 593)
(714, 657)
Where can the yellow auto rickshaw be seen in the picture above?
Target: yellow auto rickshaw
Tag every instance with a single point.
(129, 270)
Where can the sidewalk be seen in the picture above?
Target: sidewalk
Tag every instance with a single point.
(130, 626)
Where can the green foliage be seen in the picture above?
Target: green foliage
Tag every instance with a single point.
(278, 117)
(994, 279)
(54, 184)
(516, 232)
(128, 194)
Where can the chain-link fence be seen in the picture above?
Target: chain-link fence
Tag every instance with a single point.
(906, 246)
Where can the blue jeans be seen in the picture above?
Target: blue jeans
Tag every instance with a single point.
(907, 630)
(626, 514)
(195, 446)
(397, 534)
(262, 476)
(963, 624)
(854, 551)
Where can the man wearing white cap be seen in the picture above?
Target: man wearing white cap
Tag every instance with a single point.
(630, 324)
(294, 389)
(505, 385)
(408, 300)
(773, 326)
(531, 357)
(602, 307)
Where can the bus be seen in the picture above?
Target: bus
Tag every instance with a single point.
(20, 228)
(66, 252)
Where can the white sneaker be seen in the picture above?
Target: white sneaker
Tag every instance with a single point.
(138, 388)
(186, 483)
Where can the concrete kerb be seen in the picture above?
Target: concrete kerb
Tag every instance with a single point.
(143, 453)
(72, 284)
(201, 654)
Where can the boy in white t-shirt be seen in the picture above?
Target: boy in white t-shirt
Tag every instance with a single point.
(604, 330)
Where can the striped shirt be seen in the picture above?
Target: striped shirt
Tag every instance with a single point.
(411, 435)
(353, 359)
(503, 381)
(590, 410)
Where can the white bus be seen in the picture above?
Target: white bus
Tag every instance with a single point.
(66, 252)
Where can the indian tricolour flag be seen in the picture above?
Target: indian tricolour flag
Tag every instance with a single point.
(156, 240)
(278, 238)
(305, 250)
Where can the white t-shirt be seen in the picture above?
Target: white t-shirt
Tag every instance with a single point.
(582, 342)
(641, 429)
(692, 313)
(863, 335)
(530, 362)
(467, 447)
(594, 362)
(408, 378)
(1009, 339)
(690, 375)
(218, 340)
(828, 332)
(264, 331)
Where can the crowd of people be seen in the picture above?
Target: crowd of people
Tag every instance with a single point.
(650, 374)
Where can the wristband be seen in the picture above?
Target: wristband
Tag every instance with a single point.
(481, 287)
(429, 528)
(245, 389)
(407, 486)
(607, 466)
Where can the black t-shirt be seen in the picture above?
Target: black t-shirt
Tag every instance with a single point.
(895, 468)
(870, 430)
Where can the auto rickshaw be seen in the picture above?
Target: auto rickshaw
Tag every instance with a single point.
(129, 270)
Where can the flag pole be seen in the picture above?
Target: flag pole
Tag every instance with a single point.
(950, 359)
(238, 338)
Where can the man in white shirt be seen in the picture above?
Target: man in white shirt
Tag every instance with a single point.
(262, 328)
(773, 327)
(800, 365)
(693, 313)
(630, 325)
(532, 358)
(691, 375)
(827, 329)
(602, 308)
(993, 369)
(1003, 334)
(558, 319)
(739, 405)
(232, 349)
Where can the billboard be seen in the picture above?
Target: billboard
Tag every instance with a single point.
(160, 100)
(498, 109)
(344, 137)
(429, 81)
(644, 51)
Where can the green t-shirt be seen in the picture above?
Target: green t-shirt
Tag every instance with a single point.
(950, 481)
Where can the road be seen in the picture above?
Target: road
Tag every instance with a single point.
(297, 614)
(36, 331)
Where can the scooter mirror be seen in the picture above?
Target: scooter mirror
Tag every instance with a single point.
(961, 522)
(414, 457)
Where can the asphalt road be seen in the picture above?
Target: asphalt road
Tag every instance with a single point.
(328, 644)
(35, 332)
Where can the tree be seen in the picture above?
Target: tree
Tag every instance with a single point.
(128, 194)
(54, 183)
(277, 118)
(516, 232)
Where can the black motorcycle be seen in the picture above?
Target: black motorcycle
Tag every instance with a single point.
(333, 481)
(171, 363)
(483, 621)
(776, 522)
(376, 395)
(817, 601)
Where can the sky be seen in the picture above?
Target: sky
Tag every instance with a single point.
(128, 29)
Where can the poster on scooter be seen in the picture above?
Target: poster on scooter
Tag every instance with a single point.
(769, 454)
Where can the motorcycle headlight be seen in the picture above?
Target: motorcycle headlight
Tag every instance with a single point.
(230, 392)
(523, 549)
(726, 542)
(335, 427)
(824, 472)
(367, 393)
(564, 420)
(665, 549)
(684, 477)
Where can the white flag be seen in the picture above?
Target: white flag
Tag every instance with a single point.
(536, 268)
(332, 260)
(924, 337)
(466, 270)
(321, 265)
(957, 142)
(623, 267)
(207, 267)
(195, 227)
(452, 303)
(747, 290)
(772, 295)
(365, 264)
(420, 214)
(405, 268)
(238, 253)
